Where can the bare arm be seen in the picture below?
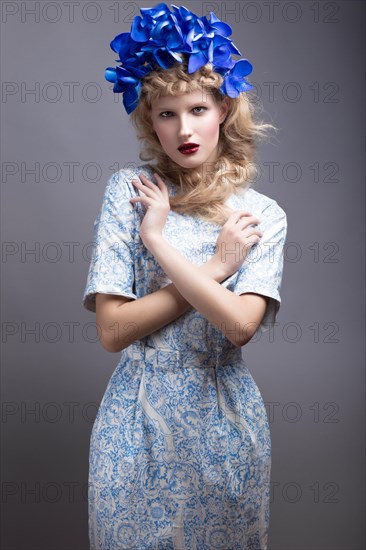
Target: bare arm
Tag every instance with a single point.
(237, 317)
(120, 326)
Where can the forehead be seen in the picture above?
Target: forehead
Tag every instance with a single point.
(183, 101)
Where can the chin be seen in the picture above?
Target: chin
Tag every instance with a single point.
(189, 162)
(183, 163)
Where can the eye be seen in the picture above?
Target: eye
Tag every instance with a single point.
(200, 107)
(197, 110)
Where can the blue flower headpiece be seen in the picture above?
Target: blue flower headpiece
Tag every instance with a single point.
(160, 35)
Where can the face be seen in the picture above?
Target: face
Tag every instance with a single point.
(193, 117)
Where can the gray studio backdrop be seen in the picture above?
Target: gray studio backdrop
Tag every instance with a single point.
(64, 133)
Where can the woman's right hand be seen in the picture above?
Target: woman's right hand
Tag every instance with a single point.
(235, 240)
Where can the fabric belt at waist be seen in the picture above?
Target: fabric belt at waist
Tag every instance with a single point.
(170, 358)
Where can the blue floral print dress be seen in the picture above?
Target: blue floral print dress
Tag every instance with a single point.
(180, 450)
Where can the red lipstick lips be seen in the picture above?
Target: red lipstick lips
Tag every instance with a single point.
(188, 148)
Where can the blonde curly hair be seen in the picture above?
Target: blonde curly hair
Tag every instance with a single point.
(203, 191)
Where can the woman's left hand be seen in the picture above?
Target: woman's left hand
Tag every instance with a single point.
(157, 207)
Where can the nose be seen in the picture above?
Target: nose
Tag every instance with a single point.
(185, 129)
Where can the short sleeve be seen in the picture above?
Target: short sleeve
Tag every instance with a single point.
(111, 269)
(262, 270)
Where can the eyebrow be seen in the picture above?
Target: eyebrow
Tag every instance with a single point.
(194, 104)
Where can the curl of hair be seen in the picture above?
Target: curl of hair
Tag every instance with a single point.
(202, 191)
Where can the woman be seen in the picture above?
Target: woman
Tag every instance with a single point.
(187, 267)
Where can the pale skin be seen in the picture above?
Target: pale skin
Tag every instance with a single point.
(123, 320)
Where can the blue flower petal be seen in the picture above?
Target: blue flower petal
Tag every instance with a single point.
(110, 74)
(159, 36)
(120, 41)
(130, 100)
(164, 57)
(210, 52)
(222, 28)
(223, 58)
(242, 68)
(189, 39)
(167, 34)
(230, 88)
(140, 30)
(223, 41)
(196, 61)
(176, 56)
(186, 19)
(157, 11)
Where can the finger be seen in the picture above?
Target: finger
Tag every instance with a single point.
(236, 216)
(244, 212)
(157, 187)
(250, 231)
(254, 239)
(144, 188)
(145, 200)
(244, 222)
(149, 183)
(159, 179)
(161, 184)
